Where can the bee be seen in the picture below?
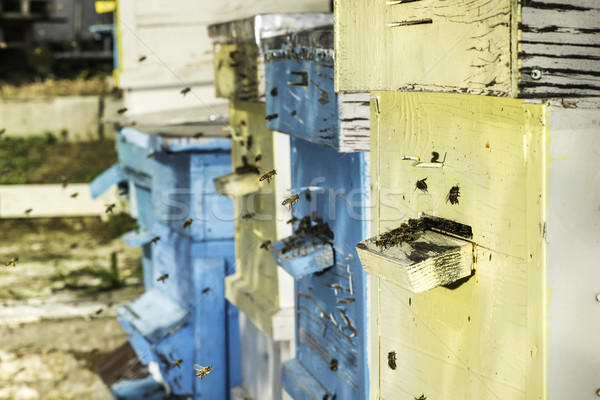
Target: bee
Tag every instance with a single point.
(258, 158)
(73, 195)
(422, 185)
(177, 364)
(155, 239)
(422, 397)
(109, 208)
(307, 195)
(187, 222)
(99, 311)
(151, 154)
(185, 91)
(142, 58)
(28, 211)
(248, 215)
(199, 134)
(333, 364)
(201, 371)
(392, 359)
(265, 245)
(290, 201)
(122, 111)
(453, 195)
(291, 221)
(12, 262)
(271, 117)
(268, 176)
(162, 278)
(64, 181)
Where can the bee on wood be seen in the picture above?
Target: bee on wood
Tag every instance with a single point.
(271, 117)
(142, 58)
(162, 278)
(248, 215)
(422, 397)
(392, 360)
(187, 222)
(453, 195)
(199, 134)
(155, 239)
(258, 158)
(185, 91)
(122, 111)
(268, 176)
(307, 195)
(28, 211)
(109, 207)
(151, 154)
(177, 364)
(422, 185)
(73, 195)
(201, 371)
(99, 311)
(249, 142)
(333, 364)
(290, 201)
(265, 245)
(12, 262)
(292, 220)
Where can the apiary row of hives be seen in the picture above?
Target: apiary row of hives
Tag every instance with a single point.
(400, 203)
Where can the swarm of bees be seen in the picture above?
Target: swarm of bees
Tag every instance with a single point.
(406, 233)
(187, 222)
(268, 176)
(201, 371)
(453, 195)
(12, 262)
(290, 201)
(422, 185)
(162, 278)
(392, 359)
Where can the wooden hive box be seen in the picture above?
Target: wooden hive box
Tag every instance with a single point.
(300, 95)
(239, 68)
(518, 328)
(527, 49)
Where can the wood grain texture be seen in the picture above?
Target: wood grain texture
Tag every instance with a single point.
(257, 275)
(485, 338)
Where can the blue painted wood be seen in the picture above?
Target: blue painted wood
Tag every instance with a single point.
(330, 305)
(136, 165)
(300, 91)
(143, 201)
(137, 238)
(173, 144)
(301, 384)
(147, 389)
(308, 256)
(112, 176)
(141, 238)
(183, 188)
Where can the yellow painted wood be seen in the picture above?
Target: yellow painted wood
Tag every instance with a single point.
(255, 288)
(486, 338)
(105, 6)
(469, 46)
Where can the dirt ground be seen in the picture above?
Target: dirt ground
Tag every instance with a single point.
(58, 304)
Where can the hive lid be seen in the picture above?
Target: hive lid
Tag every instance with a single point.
(255, 29)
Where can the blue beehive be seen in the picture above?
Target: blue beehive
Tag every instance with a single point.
(331, 213)
(184, 318)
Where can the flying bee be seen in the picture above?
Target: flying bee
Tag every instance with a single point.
(290, 201)
(162, 278)
(248, 215)
(265, 245)
(122, 111)
(187, 222)
(268, 176)
(258, 158)
(307, 194)
(201, 371)
(392, 359)
(177, 364)
(109, 208)
(73, 195)
(422, 185)
(291, 221)
(151, 154)
(142, 58)
(28, 211)
(453, 195)
(155, 239)
(12, 262)
(185, 91)
(99, 311)
(422, 397)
